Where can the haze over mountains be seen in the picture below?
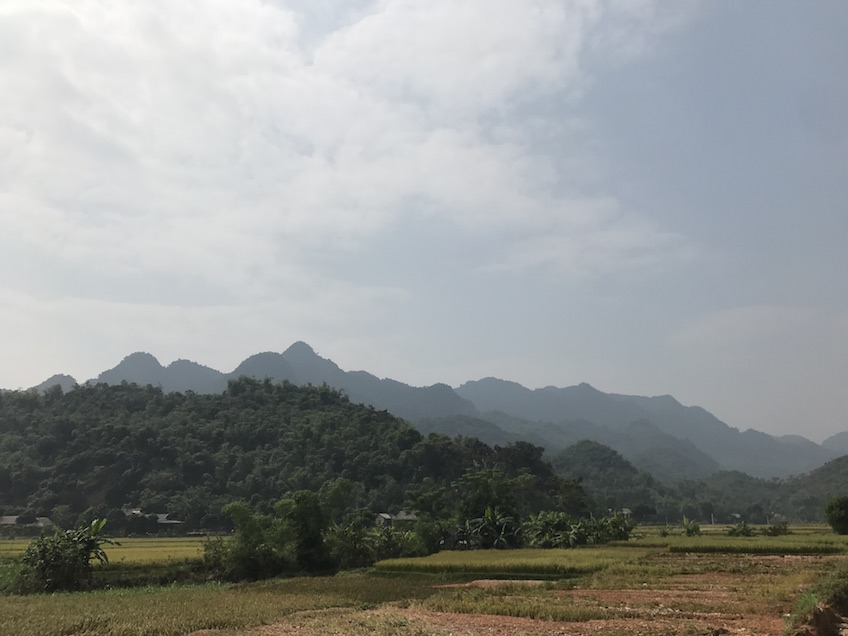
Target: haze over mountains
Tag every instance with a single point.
(657, 434)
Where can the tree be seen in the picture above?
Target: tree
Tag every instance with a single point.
(307, 520)
(836, 514)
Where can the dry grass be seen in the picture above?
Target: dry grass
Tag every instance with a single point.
(179, 610)
(517, 563)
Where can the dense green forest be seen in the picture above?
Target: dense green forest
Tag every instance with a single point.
(95, 450)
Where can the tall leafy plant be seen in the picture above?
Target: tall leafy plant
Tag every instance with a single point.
(63, 560)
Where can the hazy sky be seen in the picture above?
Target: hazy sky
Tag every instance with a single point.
(646, 196)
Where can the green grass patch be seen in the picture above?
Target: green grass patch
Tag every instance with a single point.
(516, 563)
(829, 590)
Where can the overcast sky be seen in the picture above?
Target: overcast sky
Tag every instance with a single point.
(646, 196)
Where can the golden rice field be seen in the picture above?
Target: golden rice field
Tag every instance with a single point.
(132, 550)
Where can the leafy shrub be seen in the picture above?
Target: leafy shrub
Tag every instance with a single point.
(350, 545)
(62, 561)
(836, 514)
(776, 530)
(616, 527)
(558, 530)
(691, 528)
(494, 529)
(261, 547)
(741, 529)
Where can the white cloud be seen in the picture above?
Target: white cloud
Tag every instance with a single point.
(172, 171)
(162, 135)
(459, 60)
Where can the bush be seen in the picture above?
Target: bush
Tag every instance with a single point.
(691, 528)
(62, 561)
(741, 529)
(776, 529)
(831, 591)
(836, 514)
(261, 547)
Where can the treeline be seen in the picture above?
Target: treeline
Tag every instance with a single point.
(299, 537)
(96, 450)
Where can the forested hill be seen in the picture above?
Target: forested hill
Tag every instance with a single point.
(107, 447)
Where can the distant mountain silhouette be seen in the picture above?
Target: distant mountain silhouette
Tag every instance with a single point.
(655, 434)
(265, 365)
(181, 375)
(837, 443)
(727, 448)
(66, 382)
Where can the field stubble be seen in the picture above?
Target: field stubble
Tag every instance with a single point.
(643, 588)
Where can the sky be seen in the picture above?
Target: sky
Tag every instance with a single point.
(647, 196)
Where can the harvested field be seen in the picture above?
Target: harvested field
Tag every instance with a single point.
(697, 594)
(610, 590)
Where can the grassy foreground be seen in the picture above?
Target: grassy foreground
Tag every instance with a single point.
(652, 581)
(170, 611)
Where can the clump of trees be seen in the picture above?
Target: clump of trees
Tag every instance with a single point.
(306, 533)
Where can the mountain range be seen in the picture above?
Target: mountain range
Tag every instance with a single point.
(656, 434)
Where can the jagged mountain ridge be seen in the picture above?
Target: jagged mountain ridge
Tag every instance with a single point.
(657, 434)
(752, 452)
